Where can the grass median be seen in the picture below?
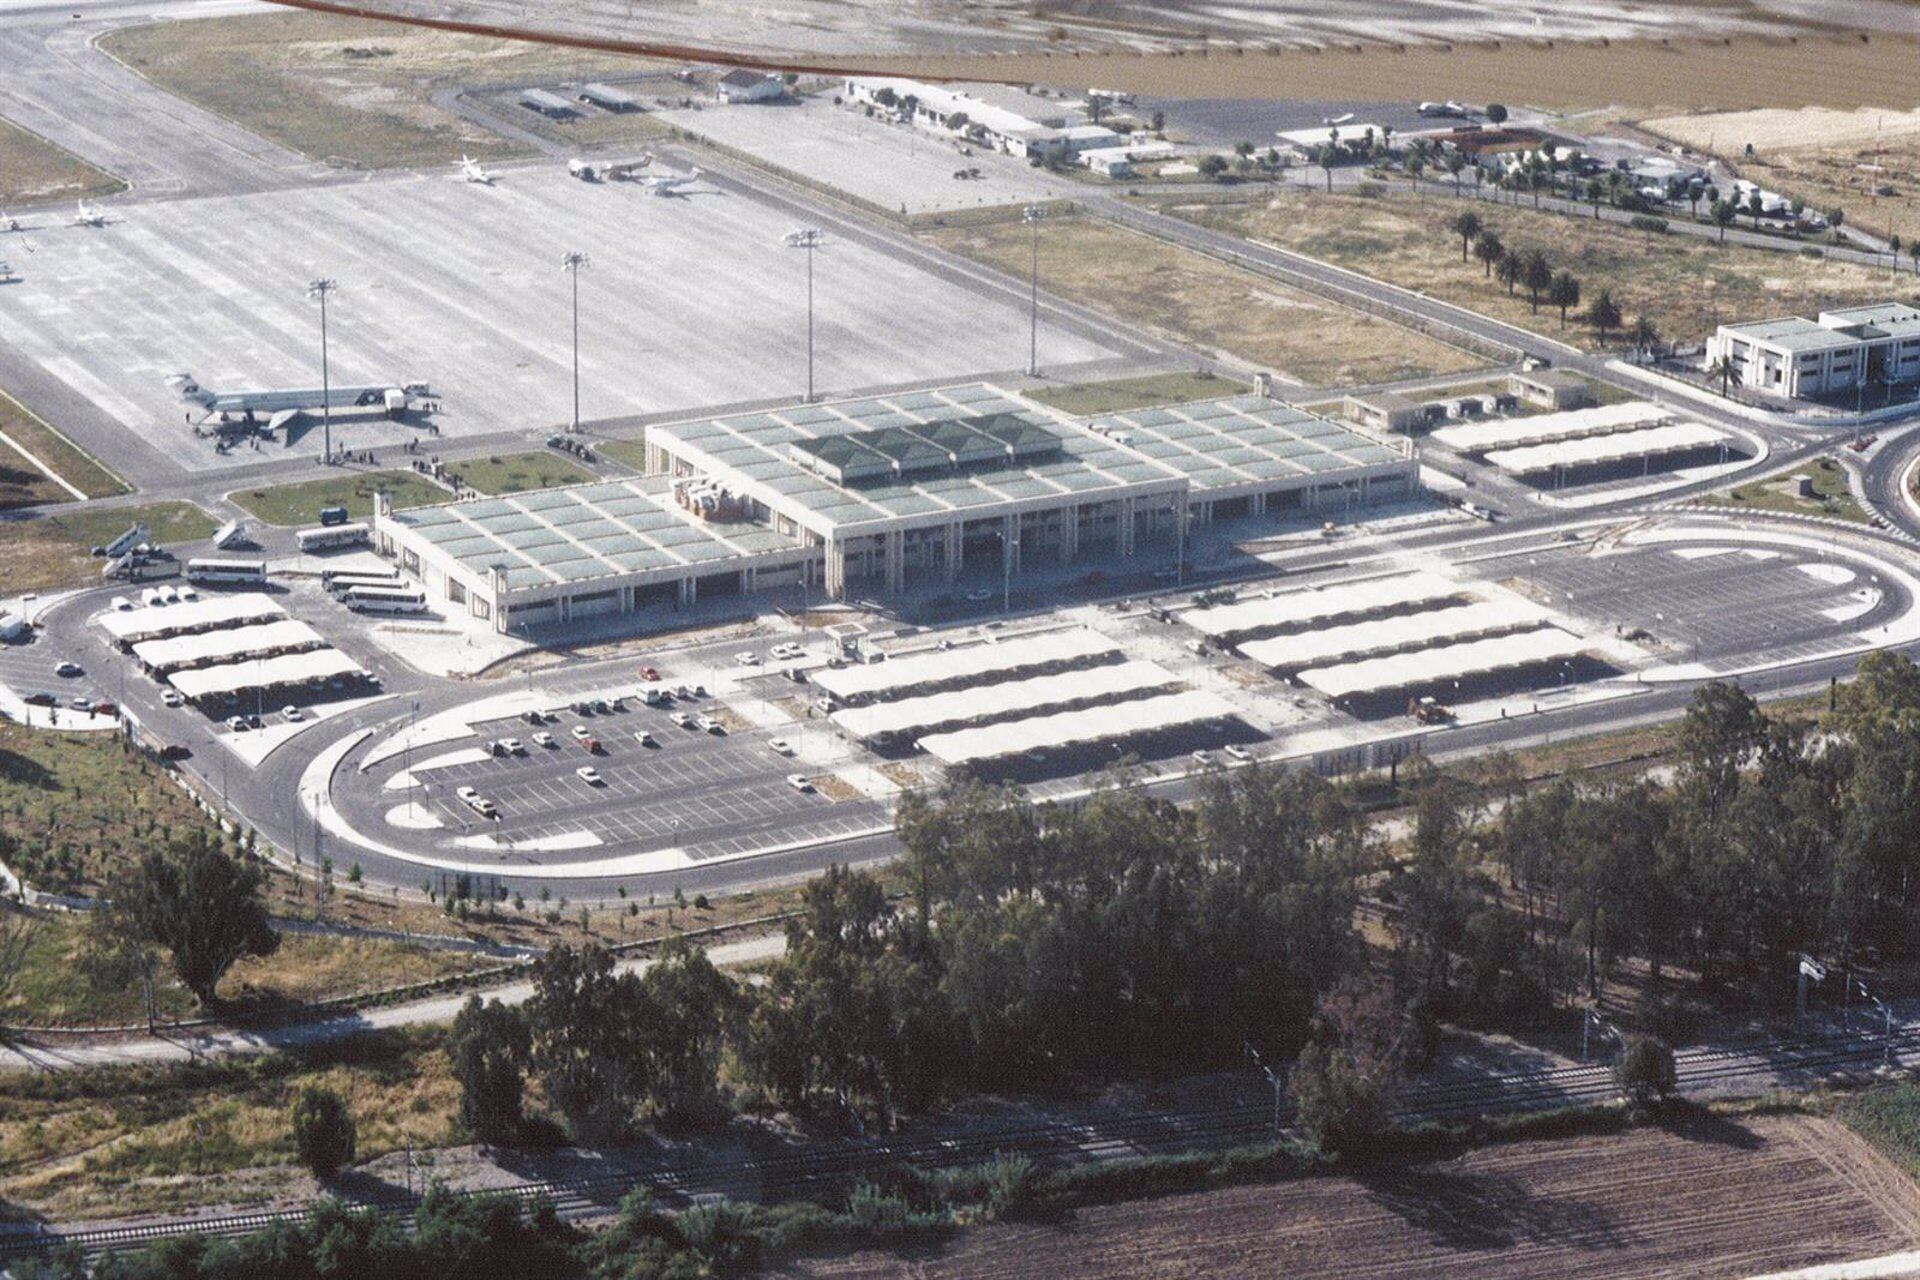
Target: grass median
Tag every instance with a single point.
(1086, 399)
(32, 448)
(1832, 496)
(287, 505)
(518, 472)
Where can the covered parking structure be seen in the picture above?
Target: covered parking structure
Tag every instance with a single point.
(156, 621)
(1114, 723)
(995, 702)
(1625, 446)
(232, 679)
(973, 664)
(1549, 428)
(264, 639)
(1426, 667)
(1476, 620)
(1245, 618)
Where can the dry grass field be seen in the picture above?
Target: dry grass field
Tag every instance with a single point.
(1842, 71)
(52, 551)
(24, 484)
(1206, 304)
(347, 90)
(1687, 285)
(1717, 1198)
(34, 171)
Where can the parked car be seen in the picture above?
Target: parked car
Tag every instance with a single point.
(649, 673)
(69, 669)
(237, 723)
(544, 739)
(799, 782)
(645, 739)
(781, 745)
(42, 699)
(747, 659)
(682, 719)
(291, 712)
(590, 776)
(581, 733)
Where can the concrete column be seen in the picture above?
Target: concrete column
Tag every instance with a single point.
(836, 569)
(955, 543)
(894, 554)
(689, 592)
(1010, 530)
(1126, 526)
(1070, 534)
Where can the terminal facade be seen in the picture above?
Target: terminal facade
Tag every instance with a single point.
(885, 495)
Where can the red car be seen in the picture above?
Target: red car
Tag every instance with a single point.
(649, 673)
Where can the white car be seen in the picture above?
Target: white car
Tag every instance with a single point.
(590, 776)
(748, 659)
(513, 746)
(709, 724)
(237, 724)
(1201, 757)
(645, 739)
(544, 739)
(291, 712)
(581, 733)
(682, 719)
(466, 795)
(799, 782)
(787, 652)
(173, 698)
(781, 745)
(1238, 752)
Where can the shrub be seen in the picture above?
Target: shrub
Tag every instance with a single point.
(1647, 222)
(323, 1131)
(1644, 1071)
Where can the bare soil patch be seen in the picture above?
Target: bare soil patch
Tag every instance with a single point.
(1716, 1197)
(1687, 285)
(1195, 300)
(35, 171)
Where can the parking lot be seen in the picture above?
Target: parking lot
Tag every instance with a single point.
(28, 667)
(692, 786)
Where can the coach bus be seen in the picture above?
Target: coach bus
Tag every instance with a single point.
(332, 539)
(341, 581)
(228, 572)
(385, 602)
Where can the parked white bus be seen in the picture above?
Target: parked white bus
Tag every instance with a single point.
(341, 581)
(227, 571)
(385, 604)
(334, 537)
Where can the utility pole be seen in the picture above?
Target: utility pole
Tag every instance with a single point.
(809, 239)
(571, 264)
(1031, 215)
(319, 288)
(1273, 1078)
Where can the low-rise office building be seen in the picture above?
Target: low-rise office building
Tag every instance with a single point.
(1840, 351)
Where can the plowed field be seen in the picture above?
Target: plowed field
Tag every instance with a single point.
(1718, 1198)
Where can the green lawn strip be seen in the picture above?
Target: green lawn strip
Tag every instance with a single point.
(1088, 398)
(518, 472)
(297, 504)
(632, 453)
(1832, 496)
(1888, 1117)
(67, 460)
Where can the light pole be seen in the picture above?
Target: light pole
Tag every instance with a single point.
(1031, 215)
(571, 264)
(319, 289)
(808, 238)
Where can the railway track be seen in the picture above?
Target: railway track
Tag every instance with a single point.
(824, 1166)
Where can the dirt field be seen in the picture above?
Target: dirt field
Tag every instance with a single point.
(343, 89)
(1722, 1199)
(1836, 71)
(1688, 286)
(1197, 301)
(1774, 129)
(34, 171)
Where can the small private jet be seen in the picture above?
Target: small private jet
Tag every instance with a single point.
(669, 184)
(88, 216)
(473, 171)
(1449, 108)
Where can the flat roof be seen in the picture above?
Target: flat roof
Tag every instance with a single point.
(1389, 635)
(1549, 377)
(1244, 440)
(1069, 728)
(283, 636)
(1544, 428)
(1791, 333)
(1296, 608)
(575, 534)
(1446, 662)
(969, 662)
(197, 615)
(608, 95)
(545, 100)
(266, 673)
(1678, 437)
(998, 701)
(753, 453)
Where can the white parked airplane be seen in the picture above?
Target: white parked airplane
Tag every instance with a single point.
(473, 171)
(1447, 108)
(86, 216)
(1334, 120)
(670, 184)
(280, 406)
(608, 170)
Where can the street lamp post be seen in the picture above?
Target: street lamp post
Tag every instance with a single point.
(1031, 215)
(809, 239)
(571, 264)
(319, 289)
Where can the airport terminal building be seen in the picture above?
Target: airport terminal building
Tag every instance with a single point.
(884, 495)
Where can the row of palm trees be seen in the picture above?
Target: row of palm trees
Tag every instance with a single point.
(1532, 270)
